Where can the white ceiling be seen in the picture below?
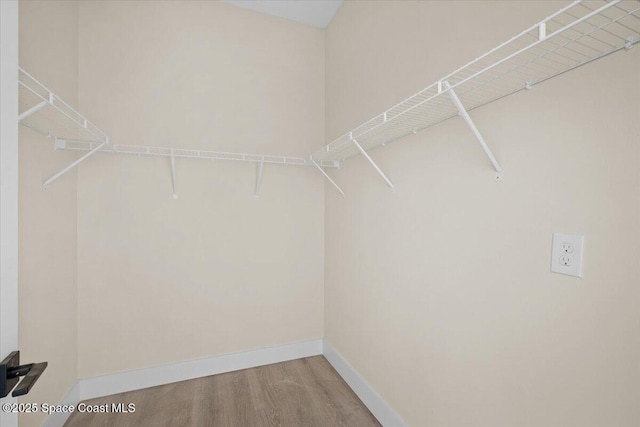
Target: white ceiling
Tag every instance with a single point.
(317, 13)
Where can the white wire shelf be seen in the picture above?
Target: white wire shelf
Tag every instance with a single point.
(580, 33)
(574, 36)
(49, 115)
(140, 150)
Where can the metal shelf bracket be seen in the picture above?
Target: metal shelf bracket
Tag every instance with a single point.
(174, 180)
(73, 165)
(259, 167)
(337, 187)
(32, 110)
(375, 166)
(465, 115)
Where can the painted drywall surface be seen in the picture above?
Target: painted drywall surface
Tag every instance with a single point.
(47, 220)
(440, 294)
(215, 271)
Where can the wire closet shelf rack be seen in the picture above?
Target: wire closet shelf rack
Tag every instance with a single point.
(49, 115)
(580, 33)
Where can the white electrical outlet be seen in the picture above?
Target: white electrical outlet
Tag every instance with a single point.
(566, 254)
(567, 247)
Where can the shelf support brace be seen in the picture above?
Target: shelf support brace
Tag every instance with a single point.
(327, 176)
(463, 113)
(259, 166)
(174, 180)
(32, 110)
(72, 165)
(375, 166)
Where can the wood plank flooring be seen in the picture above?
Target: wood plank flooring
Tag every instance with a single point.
(299, 393)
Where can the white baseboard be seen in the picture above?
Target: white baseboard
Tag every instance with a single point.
(90, 388)
(372, 400)
(72, 398)
(158, 375)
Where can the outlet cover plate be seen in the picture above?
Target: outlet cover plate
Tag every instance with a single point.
(566, 254)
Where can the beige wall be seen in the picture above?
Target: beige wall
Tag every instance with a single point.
(47, 220)
(163, 280)
(440, 294)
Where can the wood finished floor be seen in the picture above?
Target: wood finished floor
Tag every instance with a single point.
(300, 393)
